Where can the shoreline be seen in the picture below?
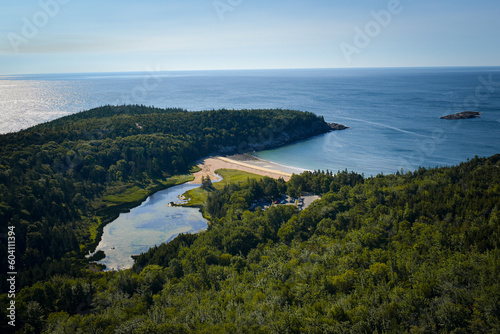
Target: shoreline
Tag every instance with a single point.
(294, 170)
(246, 163)
(208, 166)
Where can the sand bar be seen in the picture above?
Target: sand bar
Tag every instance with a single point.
(244, 163)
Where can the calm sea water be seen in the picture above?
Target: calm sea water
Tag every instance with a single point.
(393, 113)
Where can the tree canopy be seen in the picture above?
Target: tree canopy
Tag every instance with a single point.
(59, 180)
(403, 253)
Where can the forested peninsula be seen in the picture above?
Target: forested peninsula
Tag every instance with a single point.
(62, 180)
(411, 252)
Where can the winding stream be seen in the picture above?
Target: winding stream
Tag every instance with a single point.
(150, 224)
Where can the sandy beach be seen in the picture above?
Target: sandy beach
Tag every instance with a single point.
(244, 163)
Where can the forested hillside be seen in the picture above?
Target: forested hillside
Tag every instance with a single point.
(403, 253)
(58, 179)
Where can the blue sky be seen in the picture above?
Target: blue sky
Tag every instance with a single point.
(58, 36)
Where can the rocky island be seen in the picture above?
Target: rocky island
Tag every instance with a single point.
(337, 126)
(463, 115)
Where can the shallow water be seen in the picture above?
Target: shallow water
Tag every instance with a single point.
(150, 224)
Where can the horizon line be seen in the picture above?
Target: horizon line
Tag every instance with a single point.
(255, 69)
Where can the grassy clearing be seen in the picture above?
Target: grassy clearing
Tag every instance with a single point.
(198, 197)
(195, 169)
(130, 193)
(178, 179)
(94, 230)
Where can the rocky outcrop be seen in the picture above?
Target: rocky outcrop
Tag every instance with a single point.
(337, 126)
(463, 115)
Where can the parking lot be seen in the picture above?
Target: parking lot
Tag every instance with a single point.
(302, 202)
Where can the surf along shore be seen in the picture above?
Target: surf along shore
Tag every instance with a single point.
(243, 162)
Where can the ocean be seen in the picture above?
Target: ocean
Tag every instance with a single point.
(393, 113)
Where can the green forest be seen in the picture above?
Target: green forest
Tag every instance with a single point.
(414, 252)
(61, 181)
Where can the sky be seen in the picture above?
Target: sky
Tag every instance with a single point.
(72, 36)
